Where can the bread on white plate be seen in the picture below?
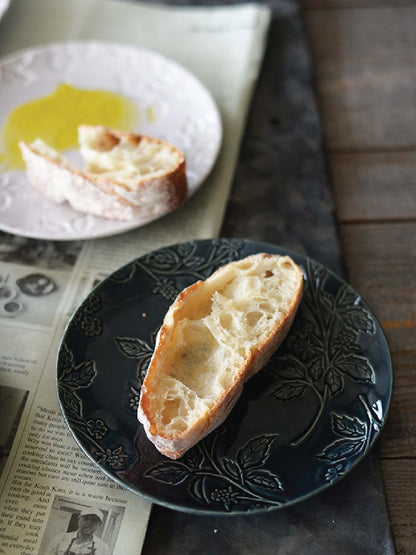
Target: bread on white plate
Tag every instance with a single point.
(214, 337)
(127, 176)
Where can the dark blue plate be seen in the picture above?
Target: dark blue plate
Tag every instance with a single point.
(301, 424)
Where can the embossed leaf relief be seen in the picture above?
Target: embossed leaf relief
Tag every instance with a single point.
(77, 224)
(196, 136)
(124, 274)
(65, 60)
(115, 458)
(236, 484)
(85, 318)
(353, 433)
(322, 350)
(166, 265)
(5, 196)
(20, 72)
(354, 436)
(12, 183)
(140, 350)
(71, 378)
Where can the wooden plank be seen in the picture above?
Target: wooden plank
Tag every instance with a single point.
(381, 265)
(399, 478)
(374, 185)
(399, 436)
(366, 75)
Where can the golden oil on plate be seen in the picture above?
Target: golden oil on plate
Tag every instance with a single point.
(47, 92)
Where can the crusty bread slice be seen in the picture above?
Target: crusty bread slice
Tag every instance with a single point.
(214, 337)
(128, 177)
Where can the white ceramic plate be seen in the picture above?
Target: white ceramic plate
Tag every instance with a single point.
(4, 4)
(187, 117)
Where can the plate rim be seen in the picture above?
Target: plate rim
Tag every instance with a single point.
(4, 7)
(292, 502)
(124, 225)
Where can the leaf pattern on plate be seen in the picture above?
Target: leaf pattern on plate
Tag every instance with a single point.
(331, 368)
(136, 348)
(97, 428)
(241, 483)
(322, 349)
(354, 437)
(133, 399)
(124, 274)
(71, 378)
(166, 265)
(115, 458)
(85, 318)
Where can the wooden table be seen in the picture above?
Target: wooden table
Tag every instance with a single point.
(364, 54)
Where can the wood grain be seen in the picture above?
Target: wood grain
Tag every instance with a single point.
(366, 75)
(374, 186)
(399, 436)
(364, 54)
(399, 479)
(381, 266)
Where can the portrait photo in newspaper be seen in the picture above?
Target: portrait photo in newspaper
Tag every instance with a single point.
(77, 527)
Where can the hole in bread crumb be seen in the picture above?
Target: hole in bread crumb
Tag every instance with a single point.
(287, 264)
(170, 409)
(246, 265)
(268, 273)
(105, 143)
(242, 351)
(253, 318)
(225, 320)
(180, 424)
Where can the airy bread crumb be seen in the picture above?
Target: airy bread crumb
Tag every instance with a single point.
(215, 336)
(127, 176)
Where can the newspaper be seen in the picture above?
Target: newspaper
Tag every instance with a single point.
(46, 481)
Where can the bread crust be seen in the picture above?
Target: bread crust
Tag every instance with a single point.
(174, 446)
(141, 199)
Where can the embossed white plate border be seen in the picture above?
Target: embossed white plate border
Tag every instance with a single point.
(4, 4)
(187, 117)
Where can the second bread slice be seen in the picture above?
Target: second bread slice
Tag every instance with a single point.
(215, 336)
(127, 176)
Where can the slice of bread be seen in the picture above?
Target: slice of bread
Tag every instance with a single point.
(214, 337)
(127, 176)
